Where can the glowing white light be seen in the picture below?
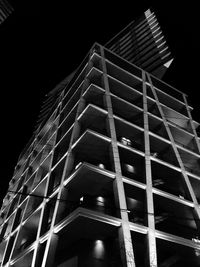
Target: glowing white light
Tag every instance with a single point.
(99, 249)
(168, 63)
(154, 26)
(130, 168)
(159, 39)
(156, 30)
(155, 154)
(157, 182)
(78, 165)
(163, 50)
(152, 22)
(197, 252)
(161, 44)
(151, 19)
(101, 165)
(126, 141)
(100, 199)
(197, 241)
(166, 55)
(157, 34)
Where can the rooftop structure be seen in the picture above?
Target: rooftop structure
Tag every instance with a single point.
(142, 43)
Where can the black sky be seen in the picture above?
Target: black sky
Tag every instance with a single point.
(40, 45)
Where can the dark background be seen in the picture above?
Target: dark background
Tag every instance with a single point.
(41, 44)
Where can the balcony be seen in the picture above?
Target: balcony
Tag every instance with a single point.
(173, 254)
(35, 199)
(129, 135)
(153, 107)
(63, 145)
(157, 127)
(88, 242)
(195, 186)
(24, 261)
(167, 92)
(124, 76)
(175, 218)
(140, 248)
(56, 176)
(93, 148)
(169, 180)
(48, 215)
(93, 118)
(67, 115)
(162, 150)
(177, 119)
(95, 76)
(27, 234)
(42, 171)
(125, 92)
(89, 187)
(94, 95)
(68, 104)
(132, 165)
(127, 111)
(136, 204)
(184, 139)
(191, 161)
(96, 60)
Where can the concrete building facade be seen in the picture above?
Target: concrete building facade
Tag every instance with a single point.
(110, 177)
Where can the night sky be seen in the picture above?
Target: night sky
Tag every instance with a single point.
(40, 45)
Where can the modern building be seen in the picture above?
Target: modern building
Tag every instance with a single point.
(110, 177)
(142, 43)
(5, 10)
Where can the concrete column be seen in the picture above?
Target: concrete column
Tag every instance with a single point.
(125, 240)
(191, 123)
(49, 255)
(53, 238)
(62, 205)
(187, 181)
(151, 240)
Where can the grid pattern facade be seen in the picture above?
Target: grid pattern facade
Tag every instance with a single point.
(143, 44)
(111, 177)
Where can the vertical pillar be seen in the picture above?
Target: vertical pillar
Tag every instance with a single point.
(191, 123)
(63, 204)
(152, 255)
(176, 152)
(42, 214)
(53, 239)
(125, 240)
(196, 204)
(49, 255)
